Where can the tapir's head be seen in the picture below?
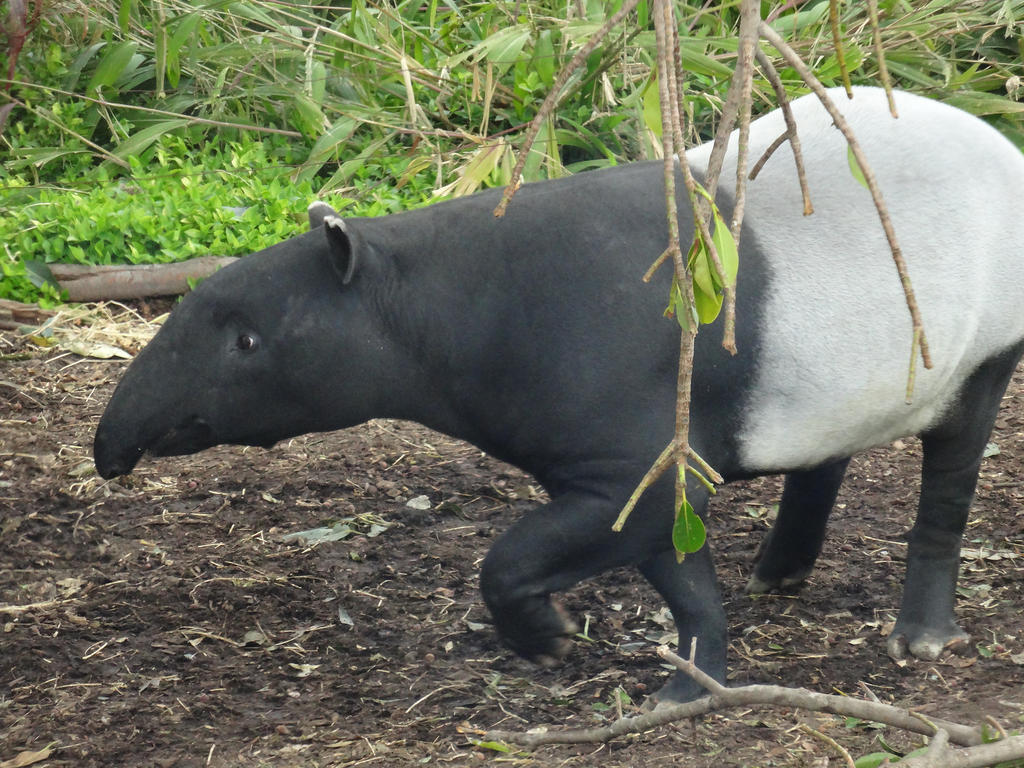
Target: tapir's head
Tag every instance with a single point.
(244, 358)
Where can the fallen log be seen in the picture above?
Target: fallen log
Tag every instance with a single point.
(85, 282)
(14, 314)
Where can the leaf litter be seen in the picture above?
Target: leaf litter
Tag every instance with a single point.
(167, 618)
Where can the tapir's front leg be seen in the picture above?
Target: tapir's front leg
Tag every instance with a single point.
(555, 546)
(787, 554)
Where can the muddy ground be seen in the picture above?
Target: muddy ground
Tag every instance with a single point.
(168, 619)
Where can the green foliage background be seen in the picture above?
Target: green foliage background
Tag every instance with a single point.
(153, 131)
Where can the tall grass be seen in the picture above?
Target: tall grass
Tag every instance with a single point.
(375, 102)
(450, 84)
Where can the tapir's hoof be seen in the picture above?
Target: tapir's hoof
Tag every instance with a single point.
(542, 634)
(558, 646)
(762, 585)
(925, 644)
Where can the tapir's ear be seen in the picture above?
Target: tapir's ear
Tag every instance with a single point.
(318, 211)
(343, 247)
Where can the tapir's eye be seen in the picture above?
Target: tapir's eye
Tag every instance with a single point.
(247, 342)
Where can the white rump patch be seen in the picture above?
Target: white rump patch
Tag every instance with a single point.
(835, 330)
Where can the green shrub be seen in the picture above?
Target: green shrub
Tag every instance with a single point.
(127, 116)
(233, 199)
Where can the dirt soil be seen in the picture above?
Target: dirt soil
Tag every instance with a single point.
(172, 618)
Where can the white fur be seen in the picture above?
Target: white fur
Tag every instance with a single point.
(836, 331)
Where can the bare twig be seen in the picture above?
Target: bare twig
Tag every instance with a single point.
(883, 70)
(791, 131)
(26, 607)
(808, 77)
(847, 758)
(750, 18)
(837, 43)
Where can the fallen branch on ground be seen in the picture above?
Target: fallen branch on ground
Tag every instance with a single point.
(14, 314)
(133, 281)
(943, 732)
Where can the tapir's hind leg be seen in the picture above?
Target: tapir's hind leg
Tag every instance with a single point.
(787, 554)
(952, 457)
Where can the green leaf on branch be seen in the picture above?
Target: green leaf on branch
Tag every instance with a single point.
(678, 307)
(855, 168)
(708, 287)
(652, 107)
(708, 305)
(725, 245)
(688, 533)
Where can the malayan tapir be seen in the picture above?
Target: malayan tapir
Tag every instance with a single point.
(533, 337)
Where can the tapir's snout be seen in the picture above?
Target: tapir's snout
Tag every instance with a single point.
(112, 456)
(116, 452)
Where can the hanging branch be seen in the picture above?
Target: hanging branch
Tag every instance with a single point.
(737, 103)
(750, 18)
(919, 342)
(672, 144)
(837, 43)
(883, 70)
(553, 97)
(791, 133)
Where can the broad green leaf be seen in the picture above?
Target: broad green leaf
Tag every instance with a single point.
(345, 172)
(124, 15)
(985, 103)
(677, 306)
(39, 273)
(964, 78)
(695, 61)
(503, 47)
(496, 746)
(829, 70)
(37, 156)
(544, 58)
(688, 532)
(912, 73)
(186, 26)
(652, 107)
(708, 305)
(140, 140)
(874, 760)
(307, 116)
(80, 62)
(325, 146)
(112, 65)
(725, 245)
(699, 262)
(693, 55)
(316, 81)
(791, 23)
(252, 12)
(855, 170)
